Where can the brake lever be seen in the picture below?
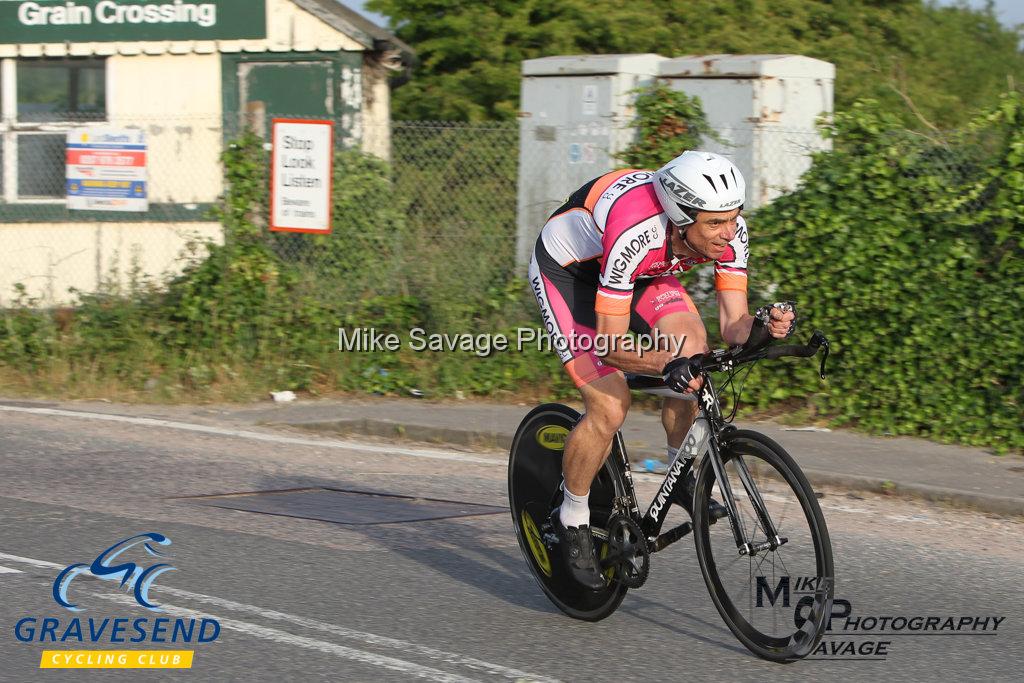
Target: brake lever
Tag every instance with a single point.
(820, 340)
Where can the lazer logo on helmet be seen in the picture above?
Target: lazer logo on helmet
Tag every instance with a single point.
(680, 190)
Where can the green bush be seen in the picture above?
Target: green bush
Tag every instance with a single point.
(27, 339)
(907, 252)
(362, 255)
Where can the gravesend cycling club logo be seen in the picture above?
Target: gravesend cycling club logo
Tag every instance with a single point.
(131, 575)
(131, 565)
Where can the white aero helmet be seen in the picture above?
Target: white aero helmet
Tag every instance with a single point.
(698, 181)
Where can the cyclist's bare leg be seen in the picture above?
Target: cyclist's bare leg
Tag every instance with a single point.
(678, 414)
(606, 402)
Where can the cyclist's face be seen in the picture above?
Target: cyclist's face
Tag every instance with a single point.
(712, 231)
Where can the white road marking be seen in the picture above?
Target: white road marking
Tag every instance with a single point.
(260, 436)
(313, 624)
(782, 499)
(309, 643)
(369, 638)
(338, 443)
(8, 570)
(844, 508)
(42, 564)
(826, 506)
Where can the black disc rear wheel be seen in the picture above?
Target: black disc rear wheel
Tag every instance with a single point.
(534, 475)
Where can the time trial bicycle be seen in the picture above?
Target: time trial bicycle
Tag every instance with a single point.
(773, 539)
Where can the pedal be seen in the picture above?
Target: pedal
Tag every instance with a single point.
(548, 535)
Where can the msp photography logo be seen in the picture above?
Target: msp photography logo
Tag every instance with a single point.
(128, 565)
(861, 638)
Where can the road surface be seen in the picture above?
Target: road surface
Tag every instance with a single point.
(447, 599)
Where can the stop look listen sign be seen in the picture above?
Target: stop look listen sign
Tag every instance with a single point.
(301, 175)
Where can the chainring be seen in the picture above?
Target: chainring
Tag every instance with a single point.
(627, 554)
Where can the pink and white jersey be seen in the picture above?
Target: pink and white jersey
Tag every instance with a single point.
(612, 231)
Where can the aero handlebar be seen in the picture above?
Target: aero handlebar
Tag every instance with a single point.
(723, 359)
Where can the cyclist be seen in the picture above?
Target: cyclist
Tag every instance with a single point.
(605, 264)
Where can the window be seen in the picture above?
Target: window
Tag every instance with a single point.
(61, 90)
(41, 165)
(44, 98)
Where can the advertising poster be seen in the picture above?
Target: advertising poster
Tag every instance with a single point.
(106, 170)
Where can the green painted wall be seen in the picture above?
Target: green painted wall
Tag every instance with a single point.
(290, 84)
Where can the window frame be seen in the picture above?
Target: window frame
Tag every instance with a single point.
(11, 129)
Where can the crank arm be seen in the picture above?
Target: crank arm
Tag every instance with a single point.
(614, 559)
(671, 536)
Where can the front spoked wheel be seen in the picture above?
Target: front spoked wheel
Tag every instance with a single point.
(776, 595)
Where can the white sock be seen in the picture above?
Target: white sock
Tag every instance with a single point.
(575, 510)
(671, 453)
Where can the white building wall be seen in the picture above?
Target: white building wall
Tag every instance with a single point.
(376, 111)
(176, 100)
(49, 258)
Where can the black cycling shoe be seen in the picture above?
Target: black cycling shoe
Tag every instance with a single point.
(683, 496)
(579, 553)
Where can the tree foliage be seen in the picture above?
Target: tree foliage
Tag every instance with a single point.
(947, 61)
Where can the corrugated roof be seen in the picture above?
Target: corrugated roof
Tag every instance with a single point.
(355, 25)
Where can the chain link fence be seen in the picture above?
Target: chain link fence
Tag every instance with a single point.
(436, 220)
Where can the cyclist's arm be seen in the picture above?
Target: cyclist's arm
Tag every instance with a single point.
(734, 319)
(614, 329)
(633, 225)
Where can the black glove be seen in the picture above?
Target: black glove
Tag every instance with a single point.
(678, 373)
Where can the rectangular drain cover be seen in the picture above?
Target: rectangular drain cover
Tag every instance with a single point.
(345, 507)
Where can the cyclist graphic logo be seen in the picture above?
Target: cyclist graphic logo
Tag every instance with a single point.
(139, 579)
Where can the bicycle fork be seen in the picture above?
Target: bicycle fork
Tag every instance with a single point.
(744, 546)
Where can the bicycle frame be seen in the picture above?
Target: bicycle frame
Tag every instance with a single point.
(709, 417)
